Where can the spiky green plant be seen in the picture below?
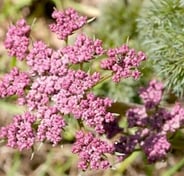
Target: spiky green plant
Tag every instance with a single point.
(161, 31)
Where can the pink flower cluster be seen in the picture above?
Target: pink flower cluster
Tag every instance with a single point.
(14, 83)
(157, 122)
(67, 22)
(123, 62)
(160, 119)
(137, 117)
(176, 119)
(91, 151)
(54, 88)
(83, 50)
(152, 94)
(43, 60)
(17, 39)
(20, 133)
(72, 90)
(51, 125)
(155, 147)
(93, 111)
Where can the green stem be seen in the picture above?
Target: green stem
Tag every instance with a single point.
(126, 2)
(80, 123)
(13, 62)
(81, 66)
(66, 41)
(172, 171)
(15, 165)
(103, 79)
(127, 162)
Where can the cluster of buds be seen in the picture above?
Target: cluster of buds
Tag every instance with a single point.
(52, 90)
(153, 123)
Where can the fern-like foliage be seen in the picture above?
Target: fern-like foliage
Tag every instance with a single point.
(161, 32)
